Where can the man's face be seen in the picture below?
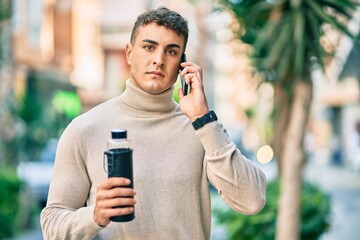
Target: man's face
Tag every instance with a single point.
(154, 58)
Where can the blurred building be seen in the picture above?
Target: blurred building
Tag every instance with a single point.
(80, 43)
(336, 111)
(5, 49)
(56, 51)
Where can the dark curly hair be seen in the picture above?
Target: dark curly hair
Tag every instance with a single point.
(163, 17)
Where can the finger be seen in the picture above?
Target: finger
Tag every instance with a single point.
(115, 182)
(119, 211)
(188, 78)
(115, 192)
(196, 75)
(192, 79)
(117, 202)
(111, 212)
(121, 192)
(189, 64)
(189, 69)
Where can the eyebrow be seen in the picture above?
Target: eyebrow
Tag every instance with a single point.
(171, 45)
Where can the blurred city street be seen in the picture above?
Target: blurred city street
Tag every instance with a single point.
(272, 89)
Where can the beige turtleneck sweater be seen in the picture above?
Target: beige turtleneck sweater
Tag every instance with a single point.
(172, 166)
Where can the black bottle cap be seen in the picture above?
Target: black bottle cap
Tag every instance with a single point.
(118, 133)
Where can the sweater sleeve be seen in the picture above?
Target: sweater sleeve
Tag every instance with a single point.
(65, 215)
(239, 182)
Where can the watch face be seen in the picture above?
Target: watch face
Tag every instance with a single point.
(212, 116)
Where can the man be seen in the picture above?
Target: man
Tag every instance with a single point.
(174, 157)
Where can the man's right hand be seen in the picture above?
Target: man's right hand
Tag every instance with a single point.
(113, 193)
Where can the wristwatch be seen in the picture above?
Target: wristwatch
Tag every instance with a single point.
(207, 118)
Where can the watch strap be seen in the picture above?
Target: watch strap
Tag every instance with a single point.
(207, 118)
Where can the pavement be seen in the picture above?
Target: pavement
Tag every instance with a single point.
(341, 183)
(33, 234)
(343, 186)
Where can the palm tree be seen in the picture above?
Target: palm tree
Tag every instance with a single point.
(286, 39)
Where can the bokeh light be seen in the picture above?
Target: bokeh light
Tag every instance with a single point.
(264, 154)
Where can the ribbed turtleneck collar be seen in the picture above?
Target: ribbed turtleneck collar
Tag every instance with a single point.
(141, 100)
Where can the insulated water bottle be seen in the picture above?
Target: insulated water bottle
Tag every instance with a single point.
(118, 161)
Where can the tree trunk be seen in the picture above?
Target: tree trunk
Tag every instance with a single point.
(292, 160)
(281, 120)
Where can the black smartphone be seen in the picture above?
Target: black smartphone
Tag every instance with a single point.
(185, 87)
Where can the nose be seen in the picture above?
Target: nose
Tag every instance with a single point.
(159, 59)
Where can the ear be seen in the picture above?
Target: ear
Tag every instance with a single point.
(128, 52)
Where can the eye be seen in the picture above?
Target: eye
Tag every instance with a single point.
(149, 47)
(171, 52)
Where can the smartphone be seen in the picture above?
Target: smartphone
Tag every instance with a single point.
(185, 87)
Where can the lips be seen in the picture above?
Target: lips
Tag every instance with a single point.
(157, 73)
